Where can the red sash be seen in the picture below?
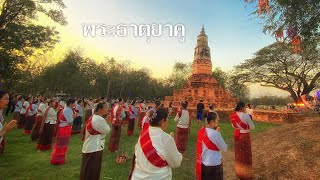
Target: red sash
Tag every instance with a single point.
(131, 111)
(61, 116)
(149, 151)
(236, 120)
(89, 128)
(202, 137)
(29, 109)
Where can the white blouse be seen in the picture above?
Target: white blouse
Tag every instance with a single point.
(183, 121)
(245, 118)
(24, 110)
(166, 148)
(18, 106)
(95, 143)
(209, 157)
(41, 109)
(51, 117)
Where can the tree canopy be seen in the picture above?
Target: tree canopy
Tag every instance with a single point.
(276, 66)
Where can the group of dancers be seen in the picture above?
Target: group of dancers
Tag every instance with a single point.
(156, 151)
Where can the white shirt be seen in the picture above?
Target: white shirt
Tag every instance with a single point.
(166, 148)
(249, 111)
(183, 121)
(24, 109)
(68, 114)
(18, 106)
(33, 111)
(95, 143)
(41, 109)
(51, 117)
(142, 107)
(245, 118)
(209, 157)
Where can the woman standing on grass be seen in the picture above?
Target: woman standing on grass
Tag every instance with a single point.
(156, 152)
(242, 123)
(95, 130)
(133, 112)
(183, 126)
(40, 112)
(76, 127)
(17, 109)
(64, 132)
(22, 117)
(4, 100)
(48, 123)
(30, 117)
(117, 116)
(209, 145)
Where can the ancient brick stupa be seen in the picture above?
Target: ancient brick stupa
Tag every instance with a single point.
(201, 85)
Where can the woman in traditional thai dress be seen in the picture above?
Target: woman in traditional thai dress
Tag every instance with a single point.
(66, 118)
(208, 150)
(242, 123)
(17, 109)
(76, 126)
(182, 130)
(156, 152)
(117, 116)
(40, 112)
(133, 112)
(22, 117)
(47, 126)
(95, 132)
(30, 117)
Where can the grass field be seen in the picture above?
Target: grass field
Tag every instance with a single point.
(21, 160)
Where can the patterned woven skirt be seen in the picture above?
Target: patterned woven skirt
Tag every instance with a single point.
(60, 148)
(130, 127)
(16, 116)
(243, 156)
(182, 139)
(114, 138)
(91, 166)
(45, 139)
(36, 128)
(29, 124)
(212, 172)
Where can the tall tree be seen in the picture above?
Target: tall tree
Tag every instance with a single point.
(20, 35)
(180, 74)
(275, 66)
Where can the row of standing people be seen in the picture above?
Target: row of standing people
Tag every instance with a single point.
(167, 152)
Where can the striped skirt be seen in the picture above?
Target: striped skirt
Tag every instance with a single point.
(60, 148)
(114, 138)
(243, 156)
(45, 139)
(182, 139)
(36, 128)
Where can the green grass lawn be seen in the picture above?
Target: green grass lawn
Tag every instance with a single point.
(21, 160)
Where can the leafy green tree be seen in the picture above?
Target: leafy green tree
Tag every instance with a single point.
(21, 35)
(275, 66)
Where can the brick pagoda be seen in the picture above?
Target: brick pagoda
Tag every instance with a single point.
(201, 85)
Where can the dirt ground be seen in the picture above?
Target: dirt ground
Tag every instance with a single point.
(290, 151)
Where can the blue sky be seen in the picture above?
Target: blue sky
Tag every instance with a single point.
(234, 35)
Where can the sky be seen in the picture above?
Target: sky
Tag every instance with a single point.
(234, 35)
